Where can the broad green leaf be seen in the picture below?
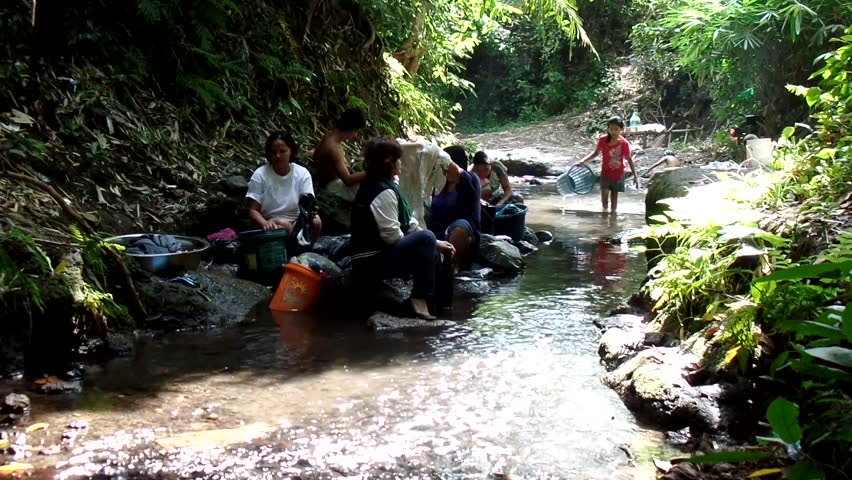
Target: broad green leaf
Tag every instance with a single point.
(812, 329)
(842, 435)
(847, 322)
(783, 416)
(805, 471)
(806, 271)
(728, 457)
(836, 355)
(820, 371)
(779, 362)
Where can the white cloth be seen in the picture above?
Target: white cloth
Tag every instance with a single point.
(279, 196)
(424, 170)
(385, 209)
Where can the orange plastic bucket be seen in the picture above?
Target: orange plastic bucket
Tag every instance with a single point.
(298, 291)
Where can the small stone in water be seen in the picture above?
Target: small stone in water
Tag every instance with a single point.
(51, 450)
(213, 416)
(79, 425)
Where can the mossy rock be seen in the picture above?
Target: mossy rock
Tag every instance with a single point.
(671, 183)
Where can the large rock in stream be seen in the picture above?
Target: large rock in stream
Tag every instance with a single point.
(500, 254)
(655, 386)
(383, 322)
(522, 168)
(672, 183)
(220, 299)
(669, 183)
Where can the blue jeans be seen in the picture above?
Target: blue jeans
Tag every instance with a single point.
(460, 223)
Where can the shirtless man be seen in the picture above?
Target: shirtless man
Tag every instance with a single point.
(337, 184)
(669, 159)
(329, 156)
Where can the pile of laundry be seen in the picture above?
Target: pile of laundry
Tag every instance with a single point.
(153, 244)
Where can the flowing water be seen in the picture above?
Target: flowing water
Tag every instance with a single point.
(512, 390)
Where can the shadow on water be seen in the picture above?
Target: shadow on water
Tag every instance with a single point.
(513, 386)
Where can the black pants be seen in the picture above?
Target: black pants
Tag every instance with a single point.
(413, 255)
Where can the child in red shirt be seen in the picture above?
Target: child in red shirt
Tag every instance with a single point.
(615, 149)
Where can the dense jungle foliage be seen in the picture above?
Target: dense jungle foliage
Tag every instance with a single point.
(767, 276)
(705, 62)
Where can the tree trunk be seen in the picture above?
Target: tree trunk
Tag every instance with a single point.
(413, 51)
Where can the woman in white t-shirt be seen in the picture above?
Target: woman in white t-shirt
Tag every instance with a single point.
(274, 189)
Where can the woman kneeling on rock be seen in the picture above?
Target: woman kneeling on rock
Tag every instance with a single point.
(385, 236)
(275, 188)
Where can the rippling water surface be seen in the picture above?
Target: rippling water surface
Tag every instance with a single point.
(512, 389)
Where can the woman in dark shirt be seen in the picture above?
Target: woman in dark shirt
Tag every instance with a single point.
(455, 211)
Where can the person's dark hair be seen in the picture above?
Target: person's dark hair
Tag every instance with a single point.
(480, 158)
(457, 155)
(380, 155)
(669, 153)
(616, 120)
(351, 120)
(285, 137)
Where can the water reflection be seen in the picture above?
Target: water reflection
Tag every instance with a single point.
(513, 388)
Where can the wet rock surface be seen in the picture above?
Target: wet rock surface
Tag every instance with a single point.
(501, 254)
(219, 299)
(655, 385)
(383, 322)
(524, 168)
(544, 236)
(332, 247)
(673, 183)
(15, 406)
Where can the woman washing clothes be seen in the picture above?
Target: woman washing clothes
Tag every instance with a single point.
(386, 239)
(494, 181)
(455, 211)
(274, 189)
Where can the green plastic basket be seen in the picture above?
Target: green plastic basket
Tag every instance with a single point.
(262, 253)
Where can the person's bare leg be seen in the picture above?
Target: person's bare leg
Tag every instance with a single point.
(613, 201)
(420, 306)
(604, 199)
(462, 241)
(316, 227)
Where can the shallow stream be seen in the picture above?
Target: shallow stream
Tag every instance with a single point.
(512, 390)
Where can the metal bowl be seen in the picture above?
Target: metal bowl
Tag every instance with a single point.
(189, 258)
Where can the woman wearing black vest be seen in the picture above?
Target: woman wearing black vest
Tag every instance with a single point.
(385, 236)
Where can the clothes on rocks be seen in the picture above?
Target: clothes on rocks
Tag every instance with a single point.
(423, 172)
(154, 244)
(278, 195)
(460, 204)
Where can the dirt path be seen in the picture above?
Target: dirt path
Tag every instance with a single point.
(560, 142)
